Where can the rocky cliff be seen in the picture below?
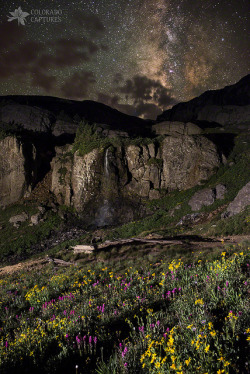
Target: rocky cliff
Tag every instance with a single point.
(14, 175)
(113, 182)
(230, 105)
(61, 117)
(134, 161)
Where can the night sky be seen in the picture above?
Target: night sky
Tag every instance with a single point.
(139, 56)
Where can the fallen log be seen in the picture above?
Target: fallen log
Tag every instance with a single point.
(57, 261)
(84, 248)
(108, 243)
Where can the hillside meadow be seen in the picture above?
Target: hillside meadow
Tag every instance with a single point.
(153, 315)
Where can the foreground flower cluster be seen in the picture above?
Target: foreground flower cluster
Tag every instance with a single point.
(163, 318)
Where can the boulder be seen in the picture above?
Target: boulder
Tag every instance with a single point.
(35, 219)
(207, 196)
(241, 201)
(220, 191)
(19, 218)
(202, 198)
(190, 218)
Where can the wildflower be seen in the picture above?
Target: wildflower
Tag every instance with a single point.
(188, 361)
(153, 358)
(207, 348)
(199, 301)
(124, 352)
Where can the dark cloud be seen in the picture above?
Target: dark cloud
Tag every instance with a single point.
(141, 109)
(68, 53)
(21, 60)
(36, 58)
(118, 78)
(147, 110)
(114, 102)
(148, 97)
(104, 47)
(78, 85)
(11, 34)
(91, 22)
(141, 88)
(43, 80)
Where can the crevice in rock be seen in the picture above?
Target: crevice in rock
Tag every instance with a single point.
(223, 142)
(42, 146)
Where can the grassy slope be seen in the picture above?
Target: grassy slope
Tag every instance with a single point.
(234, 175)
(137, 310)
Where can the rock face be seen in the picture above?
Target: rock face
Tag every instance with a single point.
(207, 197)
(61, 175)
(14, 178)
(176, 128)
(106, 182)
(61, 117)
(230, 105)
(187, 161)
(241, 201)
(31, 118)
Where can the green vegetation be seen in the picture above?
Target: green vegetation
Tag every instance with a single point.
(156, 161)
(9, 130)
(88, 138)
(153, 314)
(3, 134)
(235, 225)
(62, 171)
(16, 243)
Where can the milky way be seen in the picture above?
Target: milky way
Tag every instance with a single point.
(139, 56)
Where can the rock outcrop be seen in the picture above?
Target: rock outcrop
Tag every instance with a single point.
(206, 197)
(230, 105)
(241, 201)
(14, 177)
(176, 128)
(61, 117)
(28, 117)
(19, 218)
(103, 181)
